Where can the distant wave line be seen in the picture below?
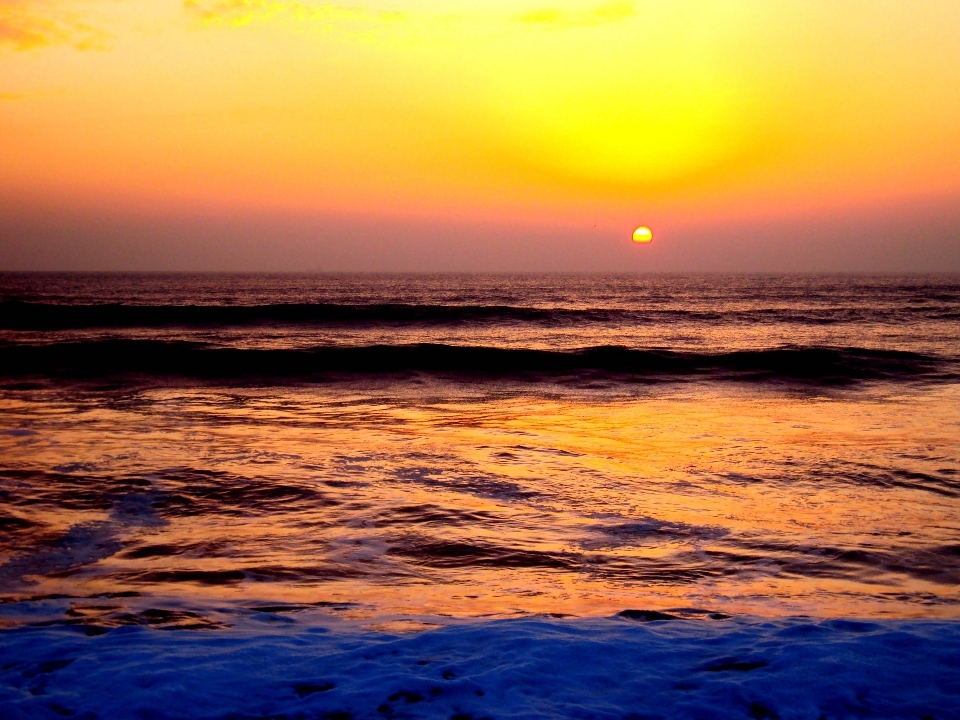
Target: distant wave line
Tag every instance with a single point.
(19, 315)
(818, 365)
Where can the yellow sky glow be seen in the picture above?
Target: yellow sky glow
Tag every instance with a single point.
(567, 110)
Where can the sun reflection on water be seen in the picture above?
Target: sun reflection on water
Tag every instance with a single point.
(439, 498)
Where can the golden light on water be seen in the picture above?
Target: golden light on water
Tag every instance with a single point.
(643, 234)
(676, 484)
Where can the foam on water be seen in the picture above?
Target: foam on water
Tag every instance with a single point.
(291, 662)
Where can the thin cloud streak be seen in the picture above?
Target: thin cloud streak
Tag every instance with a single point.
(29, 26)
(237, 13)
(601, 15)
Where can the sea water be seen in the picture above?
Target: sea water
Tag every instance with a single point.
(338, 459)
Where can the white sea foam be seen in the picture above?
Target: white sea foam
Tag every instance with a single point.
(281, 665)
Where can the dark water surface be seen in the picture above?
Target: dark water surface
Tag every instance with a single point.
(476, 445)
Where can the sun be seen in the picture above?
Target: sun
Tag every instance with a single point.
(642, 234)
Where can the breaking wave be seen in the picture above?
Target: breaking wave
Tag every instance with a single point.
(112, 358)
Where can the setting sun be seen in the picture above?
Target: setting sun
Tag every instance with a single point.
(643, 234)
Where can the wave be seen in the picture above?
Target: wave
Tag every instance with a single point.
(16, 315)
(117, 358)
(20, 315)
(298, 661)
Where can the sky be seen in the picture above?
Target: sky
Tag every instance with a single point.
(798, 135)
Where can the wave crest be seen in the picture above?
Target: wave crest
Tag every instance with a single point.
(115, 358)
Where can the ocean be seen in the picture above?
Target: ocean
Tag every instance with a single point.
(217, 489)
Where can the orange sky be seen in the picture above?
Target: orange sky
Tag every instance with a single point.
(524, 126)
